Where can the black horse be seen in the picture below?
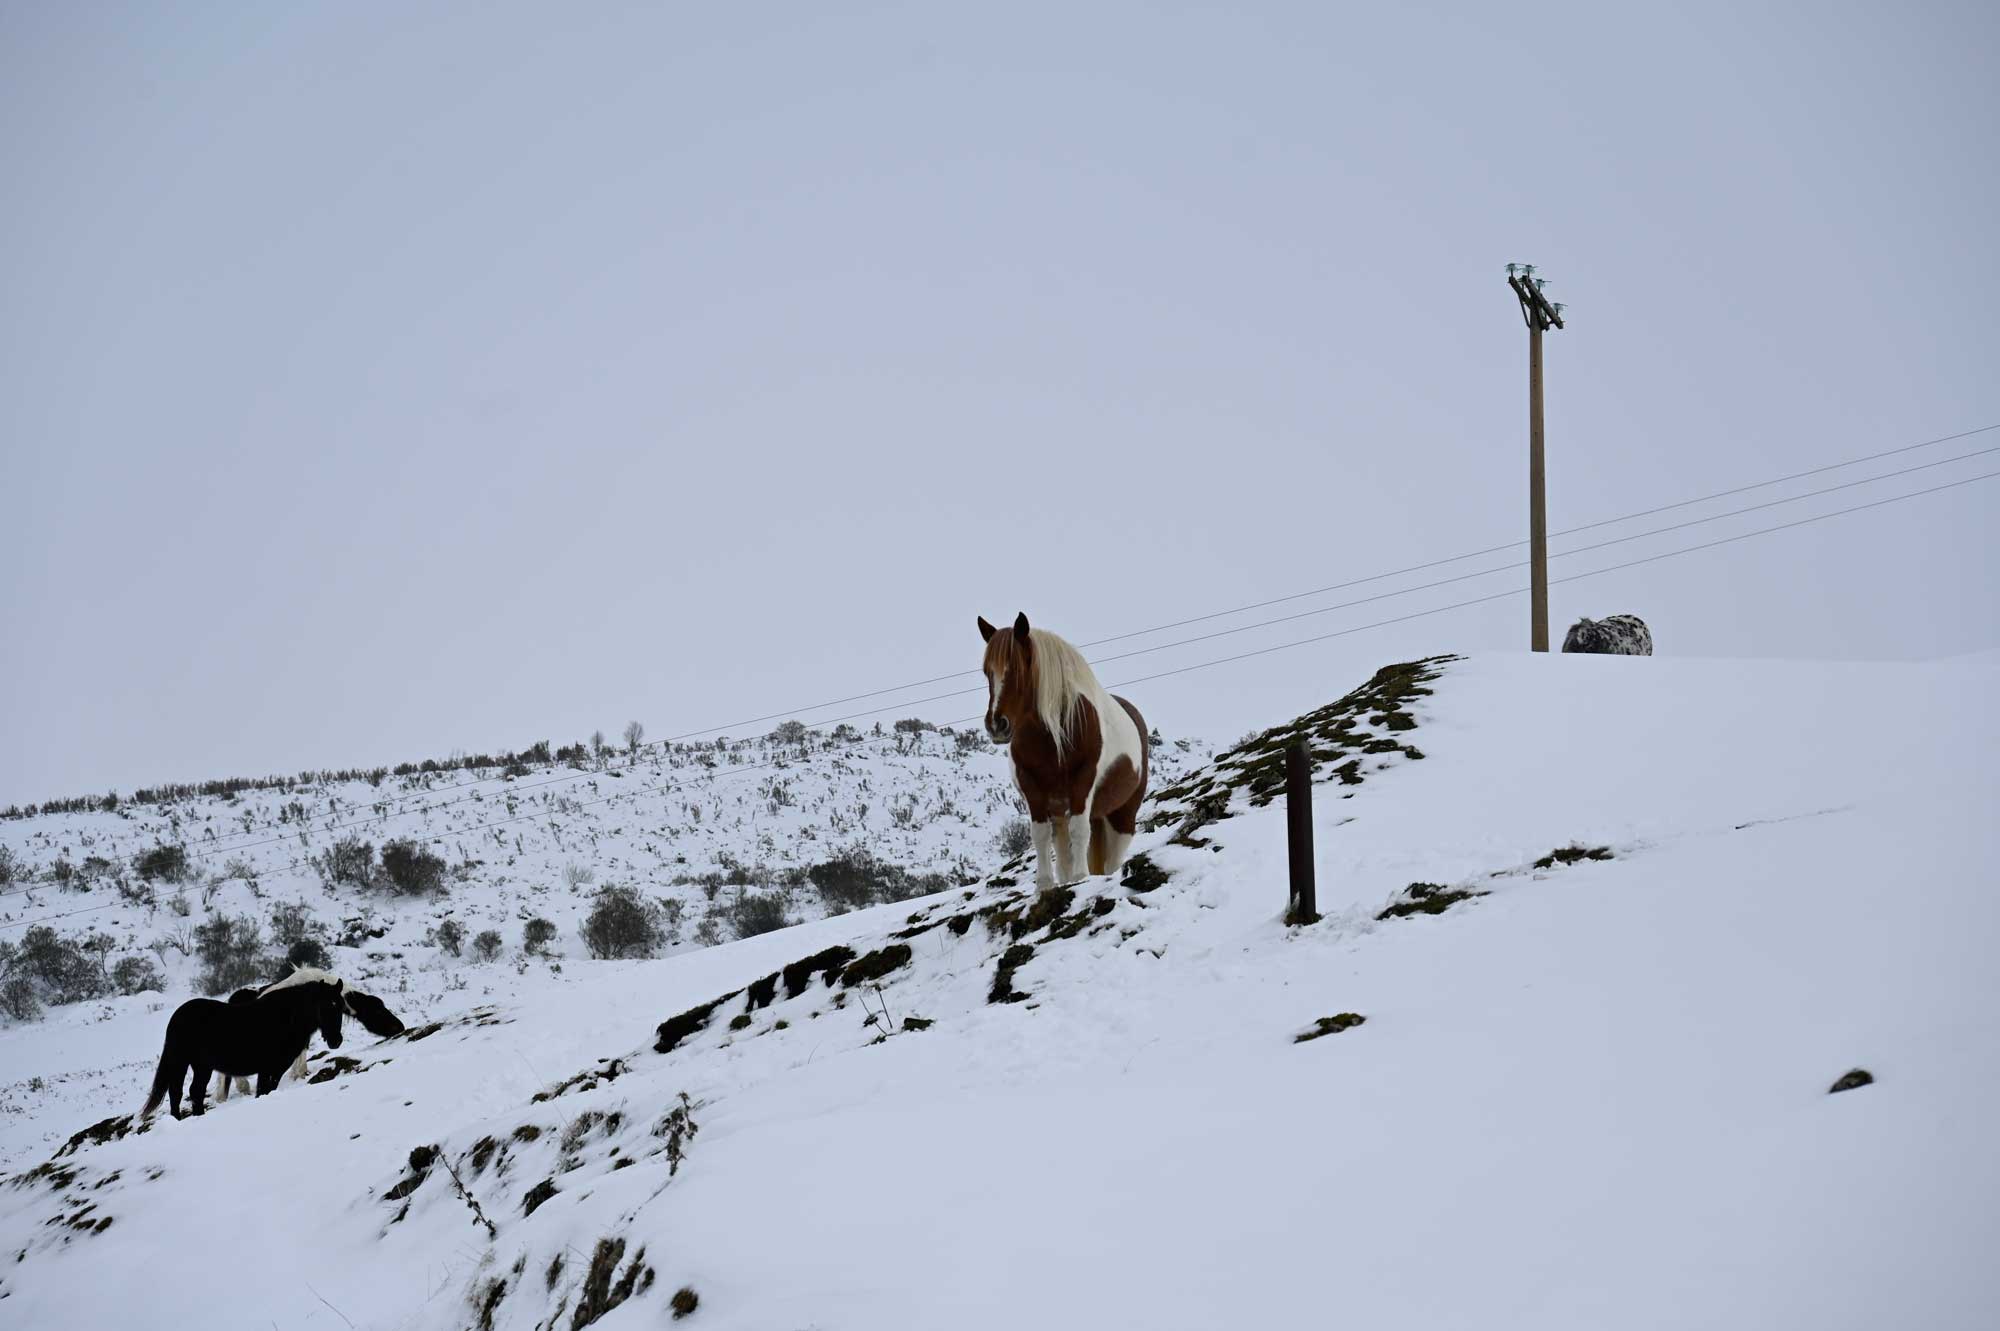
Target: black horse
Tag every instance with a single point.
(257, 1039)
(367, 1009)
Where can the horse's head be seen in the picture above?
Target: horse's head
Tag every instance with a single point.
(329, 1002)
(1010, 677)
(372, 1013)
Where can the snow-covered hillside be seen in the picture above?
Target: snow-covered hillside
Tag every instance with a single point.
(1611, 928)
(694, 826)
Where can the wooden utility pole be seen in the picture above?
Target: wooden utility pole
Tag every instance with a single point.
(1540, 316)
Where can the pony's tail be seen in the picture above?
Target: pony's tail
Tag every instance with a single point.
(163, 1080)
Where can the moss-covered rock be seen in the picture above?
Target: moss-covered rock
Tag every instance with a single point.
(828, 963)
(1142, 874)
(1015, 957)
(875, 965)
(676, 1029)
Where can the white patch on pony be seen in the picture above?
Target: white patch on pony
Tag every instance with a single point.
(1121, 740)
(303, 975)
(1116, 844)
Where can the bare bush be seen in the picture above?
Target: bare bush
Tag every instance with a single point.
(487, 945)
(19, 1000)
(58, 967)
(293, 922)
(308, 952)
(349, 860)
(1016, 838)
(538, 934)
(411, 869)
(231, 949)
(450, 935)
(137, 975)
(166, 862)
(621, 923)
(854, 878)
(758, 913)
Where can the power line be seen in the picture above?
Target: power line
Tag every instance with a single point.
(666, 788)
(236, 841)
(1373, 577)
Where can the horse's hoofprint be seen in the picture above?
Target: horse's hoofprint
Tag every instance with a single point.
(1079, 754)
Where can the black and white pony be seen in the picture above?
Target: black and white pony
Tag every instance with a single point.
(257, 1039)
(1614, 635)
(370, 1011)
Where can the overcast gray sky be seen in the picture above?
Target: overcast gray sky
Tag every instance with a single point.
(379, 380)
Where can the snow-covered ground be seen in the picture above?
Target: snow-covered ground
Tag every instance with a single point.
(1595, 1095)
(534, 845)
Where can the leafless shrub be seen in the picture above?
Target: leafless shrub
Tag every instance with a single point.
(621, 923)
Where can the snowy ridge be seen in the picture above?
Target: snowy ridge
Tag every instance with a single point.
(1611, 928)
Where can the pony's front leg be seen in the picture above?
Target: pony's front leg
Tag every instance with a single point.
(1077, 868)
(1064, 834)
(268, 1081)
(198, 1091)
(1045, 843)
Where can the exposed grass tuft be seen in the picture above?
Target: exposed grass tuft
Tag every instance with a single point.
(1572, 854)
(1426, 899)
(1333, 1025)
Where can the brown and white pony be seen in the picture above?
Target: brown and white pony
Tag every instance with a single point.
(1079, 754)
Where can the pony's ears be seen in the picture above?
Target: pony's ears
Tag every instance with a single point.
(987, 631)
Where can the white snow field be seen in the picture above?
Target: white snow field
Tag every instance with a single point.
(1595, 1096)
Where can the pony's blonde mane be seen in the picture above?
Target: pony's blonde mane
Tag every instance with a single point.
(1061, 677)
